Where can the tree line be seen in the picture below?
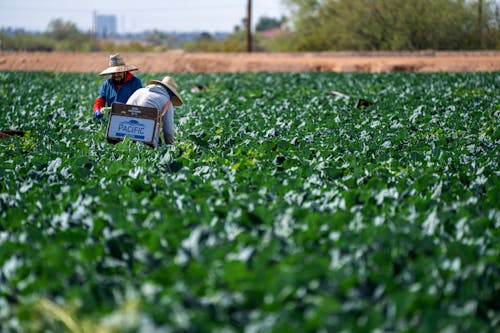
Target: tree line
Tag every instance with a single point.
(316, 25)
(394, 24)
(60, 36)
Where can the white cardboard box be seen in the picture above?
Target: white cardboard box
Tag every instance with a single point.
(140, 123)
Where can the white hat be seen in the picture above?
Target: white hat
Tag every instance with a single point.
(169, 83)
(117, 65)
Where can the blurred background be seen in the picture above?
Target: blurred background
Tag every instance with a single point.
(249, 26)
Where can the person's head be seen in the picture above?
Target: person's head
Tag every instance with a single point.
(117, 68)
(169, 83)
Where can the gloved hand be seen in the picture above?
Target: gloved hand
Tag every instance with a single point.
(98, 114)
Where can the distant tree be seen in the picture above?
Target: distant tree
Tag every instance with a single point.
(308, 34)
(157, 38)
(235, 42)
(135, 46)
(393, 24)
(204, 43)
(205, 36)
(27, 42)
(60, 30)
(67, 37)
(265, 23)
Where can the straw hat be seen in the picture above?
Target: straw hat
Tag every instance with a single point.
(117, 65)
(169, 83)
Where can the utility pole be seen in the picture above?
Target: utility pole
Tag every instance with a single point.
(249, 26)
(480, 22)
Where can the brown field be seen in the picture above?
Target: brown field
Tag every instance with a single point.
(179, 61)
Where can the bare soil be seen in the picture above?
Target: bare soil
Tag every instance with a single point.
(179, 61)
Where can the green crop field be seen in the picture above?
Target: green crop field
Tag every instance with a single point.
(281, 208)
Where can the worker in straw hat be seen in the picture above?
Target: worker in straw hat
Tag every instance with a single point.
(118, 87)
(163, 96)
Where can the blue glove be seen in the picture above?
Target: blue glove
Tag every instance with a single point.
(98, 114)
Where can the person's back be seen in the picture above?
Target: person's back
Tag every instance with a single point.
(153, 96)
(161, 95)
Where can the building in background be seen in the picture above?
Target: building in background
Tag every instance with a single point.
(104, 26)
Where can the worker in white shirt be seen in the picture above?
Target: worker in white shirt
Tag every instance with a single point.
(163, 96)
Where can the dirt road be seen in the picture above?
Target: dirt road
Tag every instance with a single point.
(179, 61)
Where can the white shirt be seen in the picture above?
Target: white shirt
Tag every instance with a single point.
(156, 96)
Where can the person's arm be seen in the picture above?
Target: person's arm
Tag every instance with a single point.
(168, 125)
(98, 105)
(100, 101)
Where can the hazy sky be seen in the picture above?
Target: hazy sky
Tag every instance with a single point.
(137, 16)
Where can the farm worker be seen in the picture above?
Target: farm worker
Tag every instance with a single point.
(118, 87)
(161, 95)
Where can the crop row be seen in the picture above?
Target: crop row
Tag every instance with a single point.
(280, 207)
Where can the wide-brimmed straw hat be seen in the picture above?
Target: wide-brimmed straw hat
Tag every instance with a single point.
(117, 65)
(169, 83)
